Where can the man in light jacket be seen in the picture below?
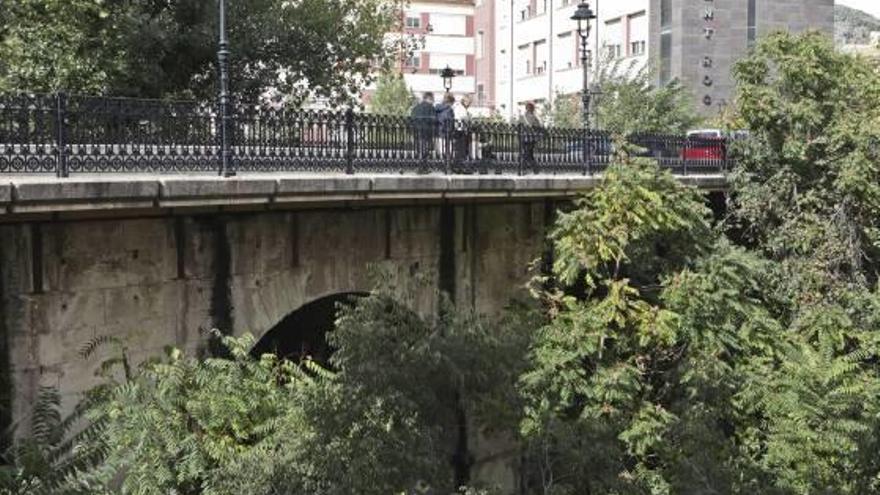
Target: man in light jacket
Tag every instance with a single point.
(531, 131)
(462, 113)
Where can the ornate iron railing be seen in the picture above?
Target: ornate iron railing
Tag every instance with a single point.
(66, 135)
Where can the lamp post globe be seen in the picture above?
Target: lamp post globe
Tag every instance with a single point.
(447, 75)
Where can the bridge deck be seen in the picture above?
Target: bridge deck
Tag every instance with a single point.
(23, 197)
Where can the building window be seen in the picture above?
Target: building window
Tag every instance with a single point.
(480, 43)
(524, 54)
(541, 55)
(752, 22)
(665, 14)
(481, 95)
(665, 57)
(665, 41)
(413, 22)
(637, 48)
(565, 55)
(413, 62)
(540, 7)
(614, 51)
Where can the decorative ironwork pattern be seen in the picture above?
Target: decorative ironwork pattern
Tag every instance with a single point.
(63, 134)
(29, 133)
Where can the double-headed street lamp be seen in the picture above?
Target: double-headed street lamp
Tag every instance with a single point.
(583, 15)
(448, 75)
(225, 118)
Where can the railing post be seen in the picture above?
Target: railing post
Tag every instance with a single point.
(349, 141)
(686, 156)
(61, 170)
(586, 150)
(519, 161)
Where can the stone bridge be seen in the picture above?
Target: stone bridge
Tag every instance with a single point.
(161, 260)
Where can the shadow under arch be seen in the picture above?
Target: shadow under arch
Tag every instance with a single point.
(304, 331)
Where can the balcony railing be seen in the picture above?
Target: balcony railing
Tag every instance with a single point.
(63, 135)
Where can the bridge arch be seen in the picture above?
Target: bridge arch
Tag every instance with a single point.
(303, 332)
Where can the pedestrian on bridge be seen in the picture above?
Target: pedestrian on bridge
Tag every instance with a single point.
(425, 126)
(462, 113)
(446, 124)
(531, 131)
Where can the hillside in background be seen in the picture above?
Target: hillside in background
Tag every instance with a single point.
(853, 26)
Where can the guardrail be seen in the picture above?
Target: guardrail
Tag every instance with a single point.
(62, 135)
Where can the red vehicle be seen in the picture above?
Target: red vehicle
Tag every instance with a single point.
(705, 144)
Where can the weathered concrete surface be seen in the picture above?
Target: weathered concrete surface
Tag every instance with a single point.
(27, 197)
(5, 195)
(167, 280)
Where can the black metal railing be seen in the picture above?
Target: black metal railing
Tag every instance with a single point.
(65, 134)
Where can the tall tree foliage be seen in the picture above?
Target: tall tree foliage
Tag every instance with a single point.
(325, 48)
(565, 111)
(392, 96)
(806, 196)
(456, 371)
(675, 362)
(633, 376)
(631, 102)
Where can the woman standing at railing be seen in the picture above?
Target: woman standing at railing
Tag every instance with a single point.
(531, 131)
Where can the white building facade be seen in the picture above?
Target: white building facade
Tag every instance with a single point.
(537, 47)
(446, 31)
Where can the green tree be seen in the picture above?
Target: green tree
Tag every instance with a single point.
(677, 362)
(57, 44)
(52, 457)
(806, 197)
(324, 48)
(248, 425)
(565, 112)
(392, 96)
(634, 373)
(630, 102)
(454, 370)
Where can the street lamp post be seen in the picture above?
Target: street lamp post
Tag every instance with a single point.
(448, 75)
(583, 15)
(226, 168)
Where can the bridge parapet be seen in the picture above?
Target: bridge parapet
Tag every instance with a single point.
(24, 196)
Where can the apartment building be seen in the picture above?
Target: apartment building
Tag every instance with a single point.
(444, 29)
(485, 53)
(537, 54)
(536, 45)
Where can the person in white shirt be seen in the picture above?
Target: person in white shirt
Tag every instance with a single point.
(461, 110)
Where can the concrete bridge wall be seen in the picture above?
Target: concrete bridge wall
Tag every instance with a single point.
(165, 280)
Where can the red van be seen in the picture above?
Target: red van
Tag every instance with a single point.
(705, 144)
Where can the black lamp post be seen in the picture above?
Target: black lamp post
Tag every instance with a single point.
(448, 75)
(226, 169)
(583, 15)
